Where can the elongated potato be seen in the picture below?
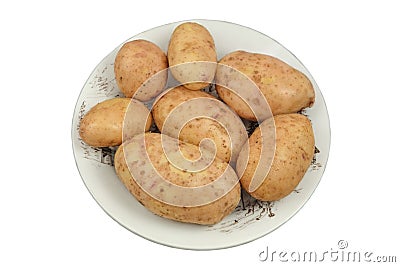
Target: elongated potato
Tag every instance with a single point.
(192, 56)
(293, 154)
(104, 124)
(286, 89)
(193, 116)
(135, 63)
(176, 193)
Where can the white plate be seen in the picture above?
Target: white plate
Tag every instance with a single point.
(251, 219)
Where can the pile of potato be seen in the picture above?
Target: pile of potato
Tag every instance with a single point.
(193, 171)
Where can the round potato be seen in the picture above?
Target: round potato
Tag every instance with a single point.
(135, 63)
(202, 197)
(192, 56)
(293, 154)
(286, 89)
(108, 122)
(193, 116)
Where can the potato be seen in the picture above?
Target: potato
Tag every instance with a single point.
(171, 192)
(286, 89)
(135, 63)
(293, 154)
(183, 108)
(104, 125)
(191, 42)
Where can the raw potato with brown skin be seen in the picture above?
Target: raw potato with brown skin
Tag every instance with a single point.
(293, 155)
(286, 89)
(211, 213)
(135, 63)
(192, 42)
(195, 130)
(102, 125)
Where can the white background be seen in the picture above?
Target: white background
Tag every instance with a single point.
(49, 48)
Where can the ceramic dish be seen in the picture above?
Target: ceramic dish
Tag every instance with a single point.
(251, 219)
